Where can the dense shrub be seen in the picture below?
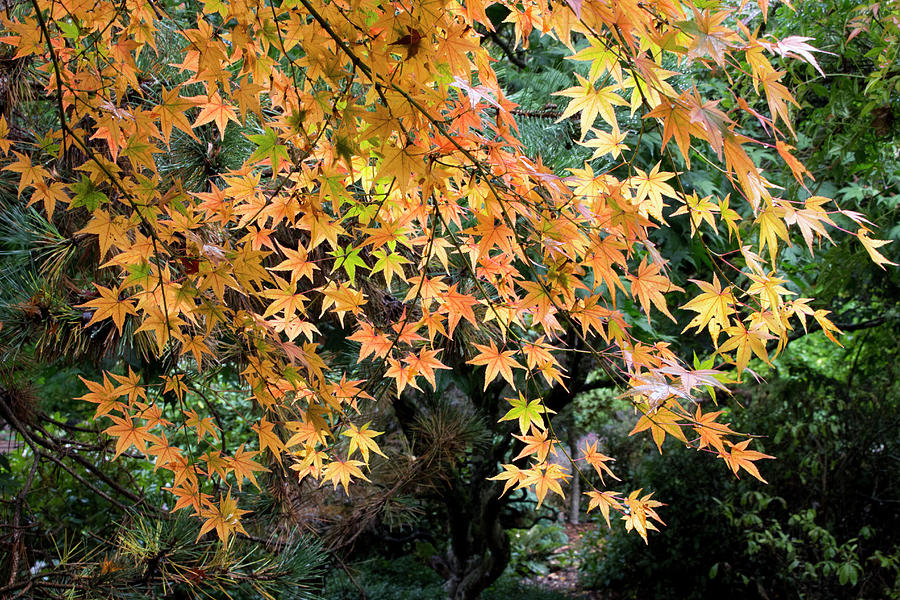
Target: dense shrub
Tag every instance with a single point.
(825, 526)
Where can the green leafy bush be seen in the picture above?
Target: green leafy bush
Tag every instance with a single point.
(825, 526)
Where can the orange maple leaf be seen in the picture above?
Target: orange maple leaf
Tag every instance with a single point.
(741, 458)
(214, 109)
(128, 434)
(496, 362)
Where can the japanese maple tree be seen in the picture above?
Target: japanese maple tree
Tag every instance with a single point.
(385, 193)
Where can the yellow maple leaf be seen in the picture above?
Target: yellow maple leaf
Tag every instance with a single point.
(362, 438)
(591, 102)
(871, 247)
(604, 501)
(713, 306)
(341, 471)
(546, 478)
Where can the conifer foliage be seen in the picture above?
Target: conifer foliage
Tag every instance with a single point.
(379, 202)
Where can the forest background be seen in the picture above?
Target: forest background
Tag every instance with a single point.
(79, 525)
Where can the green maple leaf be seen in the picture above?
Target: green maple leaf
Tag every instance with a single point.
(268, 147)
(86, 194)
(348, 259)
(526, 412)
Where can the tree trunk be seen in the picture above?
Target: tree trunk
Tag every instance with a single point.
(479, 549)
(575, 493)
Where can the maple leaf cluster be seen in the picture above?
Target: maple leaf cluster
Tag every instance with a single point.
(387, 172)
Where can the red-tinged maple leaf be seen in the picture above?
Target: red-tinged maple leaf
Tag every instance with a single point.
(424, 363)
(797, 168)
(677, 123)
(706, 36)
(411, 41)
(297, 262)
(457, 306)
(496, 362)
(342, 471)
(811, 220)
(738, 457)
(795, 46)
(372, 342)
(491, 232)
(214, 109)
(128, 434)
(403, 376)
(189, 496)
(598, 460)
(537, 353)
(604, 501)
(243, 465)
(406, 330)
(710, 431)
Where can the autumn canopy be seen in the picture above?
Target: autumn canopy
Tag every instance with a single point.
(385, 222)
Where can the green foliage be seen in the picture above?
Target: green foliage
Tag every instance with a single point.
(824, 527)
(406, 578)
(532, 550)
(149, 557)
